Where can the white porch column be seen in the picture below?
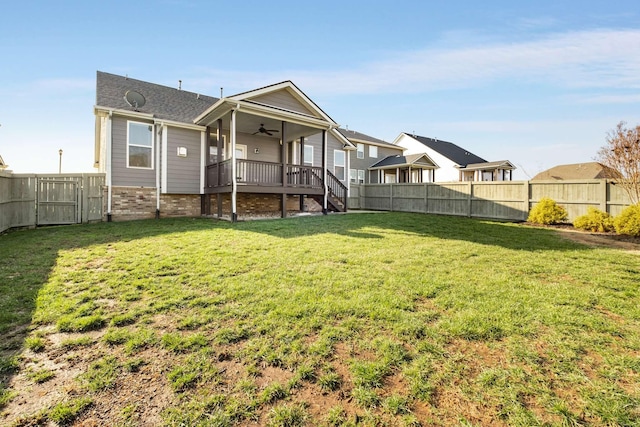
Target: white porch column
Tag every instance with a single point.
(234, 183)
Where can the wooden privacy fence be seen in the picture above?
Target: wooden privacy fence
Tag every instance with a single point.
(504, 200)
(28, 200)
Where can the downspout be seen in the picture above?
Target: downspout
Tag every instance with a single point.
(158, 135)
(108, 165)
(234, 184)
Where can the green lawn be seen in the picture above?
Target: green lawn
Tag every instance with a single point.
(364, 319)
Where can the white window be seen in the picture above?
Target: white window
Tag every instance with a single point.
(241, 151)
(373, 151)
(360, 176)
(338, 164)
(360, 153)
(389, 178)
(139, 145)
(353, 176)
(308, 155)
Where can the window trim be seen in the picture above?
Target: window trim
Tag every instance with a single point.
(359, 152)
(373, 147)
(306, 161)
(353, 176)
(360, 179)
(343, 165)
(153, 144)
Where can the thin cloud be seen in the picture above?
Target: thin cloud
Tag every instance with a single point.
(587, 59)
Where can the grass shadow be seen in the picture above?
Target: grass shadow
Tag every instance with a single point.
(363, 225)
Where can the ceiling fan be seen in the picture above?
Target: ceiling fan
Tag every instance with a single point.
(261, 129)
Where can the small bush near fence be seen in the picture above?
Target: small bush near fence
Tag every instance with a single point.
(547, 212)
(628, 222)
(594, 220)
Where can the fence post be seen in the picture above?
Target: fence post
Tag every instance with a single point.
(469, 197)
(85, 198)
(526, 200)
(426, 198)
(391, 197)
(604, 206)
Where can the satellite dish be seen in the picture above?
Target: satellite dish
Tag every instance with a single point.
(134, 99)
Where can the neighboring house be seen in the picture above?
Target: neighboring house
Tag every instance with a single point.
(369, 150)
(3, 165)
(375, 161)
(410, 168)
(171, 152)
(454, 162)
(589, 170)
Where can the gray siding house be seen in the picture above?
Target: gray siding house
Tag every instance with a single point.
(375, 161)
(169, 152)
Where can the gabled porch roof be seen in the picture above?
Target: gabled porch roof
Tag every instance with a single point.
(272, 105)
(501, 164)
(416, 161)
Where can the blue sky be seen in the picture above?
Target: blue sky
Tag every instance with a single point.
(537, 83)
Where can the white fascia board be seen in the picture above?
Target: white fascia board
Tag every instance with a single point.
(261, 91)
(136, 114)
(278, 114)
(399, 137)
(181, 125)
(294, 90)
(209, 110)
(348, 145)
(99, 109)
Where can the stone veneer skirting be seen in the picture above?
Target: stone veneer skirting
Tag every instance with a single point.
(129, 203)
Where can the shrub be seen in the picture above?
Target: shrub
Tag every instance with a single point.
(546, 212)
(594, 220)
(628, 222)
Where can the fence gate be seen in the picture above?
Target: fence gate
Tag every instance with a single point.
(57, 201)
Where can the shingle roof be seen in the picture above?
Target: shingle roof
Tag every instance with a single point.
(352, 134)
(162, 101)
(589, 170)
(500, 164)
(449, 150)
(398, 160)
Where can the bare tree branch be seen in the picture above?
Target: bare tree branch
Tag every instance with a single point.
(622, 155)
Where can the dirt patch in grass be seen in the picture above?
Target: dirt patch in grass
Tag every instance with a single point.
(626, 243)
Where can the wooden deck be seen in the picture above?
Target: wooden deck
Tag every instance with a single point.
(274, 178)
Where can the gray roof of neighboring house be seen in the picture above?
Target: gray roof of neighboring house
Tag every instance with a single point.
(500, 164)
(449, 150)
(352, 134)
(162, 101)
(399, 160)
(589, 170)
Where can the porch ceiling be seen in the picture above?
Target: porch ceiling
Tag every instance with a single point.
(250, 123)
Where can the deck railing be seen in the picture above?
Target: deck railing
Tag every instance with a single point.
(253, 172)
